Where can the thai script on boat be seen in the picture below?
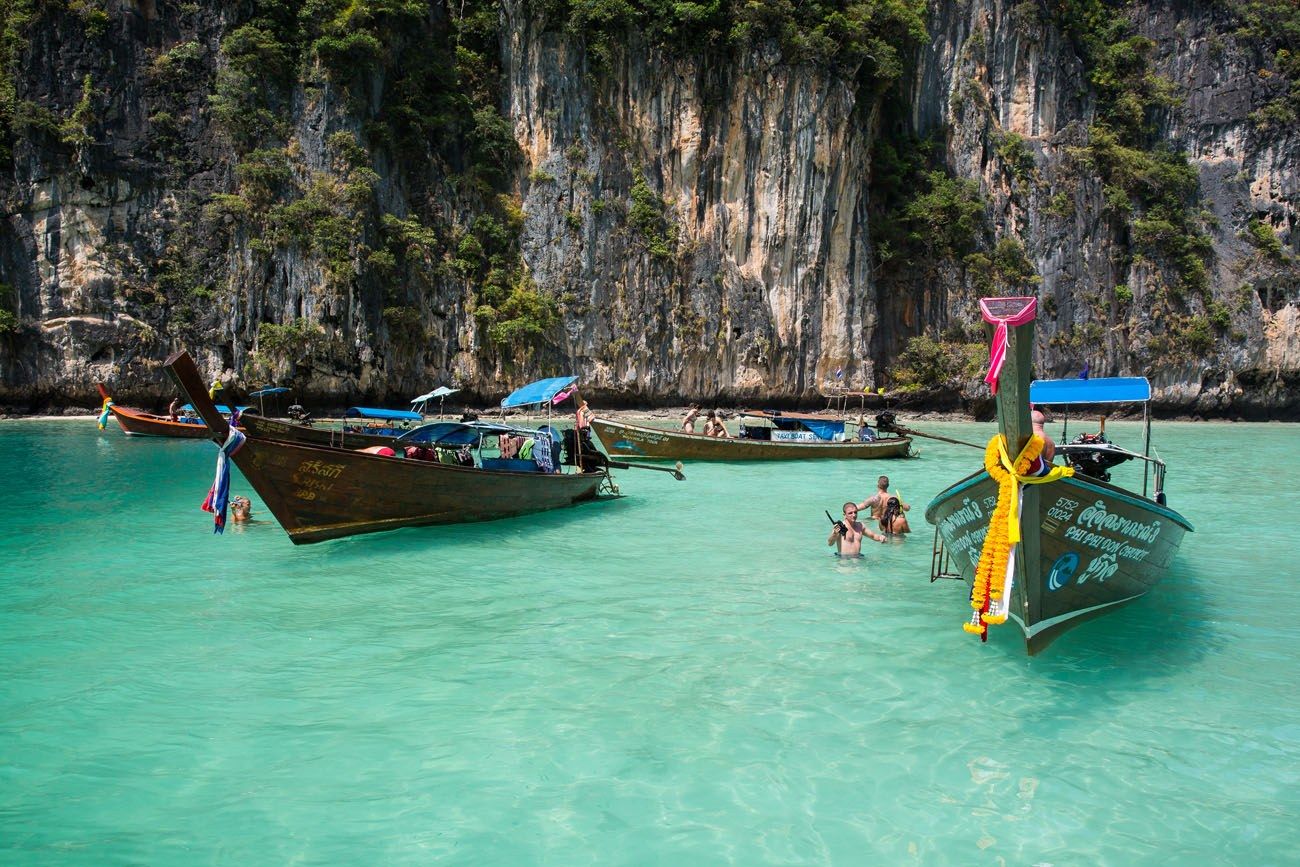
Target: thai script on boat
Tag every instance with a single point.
(1097, 518)
(972, 539)
(1117, 547)
(969, 511)
(317, 468)
(1100, 568)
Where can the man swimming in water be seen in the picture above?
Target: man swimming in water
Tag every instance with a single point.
(847, 535)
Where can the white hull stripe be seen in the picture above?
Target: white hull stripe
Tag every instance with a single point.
(1038, 627)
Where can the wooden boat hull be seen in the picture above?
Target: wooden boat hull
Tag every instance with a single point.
(646, 443)
(318, 493)
(274, 429)
(1087, 548)
(138, 423)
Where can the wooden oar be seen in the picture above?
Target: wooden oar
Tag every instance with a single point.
(676, 469)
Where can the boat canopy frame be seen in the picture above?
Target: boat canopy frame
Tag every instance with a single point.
(1105, 390)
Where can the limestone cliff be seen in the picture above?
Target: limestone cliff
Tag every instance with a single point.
(669, 224)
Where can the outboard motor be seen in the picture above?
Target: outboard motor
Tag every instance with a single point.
(1097, 461)
(886, 421)
(588, 458)
(298, 414)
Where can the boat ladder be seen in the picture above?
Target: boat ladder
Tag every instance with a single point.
(940, 562)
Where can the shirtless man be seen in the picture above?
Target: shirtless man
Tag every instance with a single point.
(1038, 418)
(849, 544)
(877, 501)
(688, 423)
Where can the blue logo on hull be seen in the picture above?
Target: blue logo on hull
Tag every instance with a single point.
(1062, 570)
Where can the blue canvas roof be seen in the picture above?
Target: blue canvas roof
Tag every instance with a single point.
(221, 408)
(385, 414)
(1111, 389)
(539, 392)
(451, 433)
(263, 392)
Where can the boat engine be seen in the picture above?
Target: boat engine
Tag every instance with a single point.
(1092, 455)
(298, 414)
(589, 458)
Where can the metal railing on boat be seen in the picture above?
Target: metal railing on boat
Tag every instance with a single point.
(940, 562)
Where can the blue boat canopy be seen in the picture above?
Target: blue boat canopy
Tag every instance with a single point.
(384, 414)
(541, 391)
(264, 392)
(450, 433)
(221, 408)
(1113, 389)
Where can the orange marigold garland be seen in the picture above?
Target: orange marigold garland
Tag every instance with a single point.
(994, 572)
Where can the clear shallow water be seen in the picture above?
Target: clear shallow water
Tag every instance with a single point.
(684, 675)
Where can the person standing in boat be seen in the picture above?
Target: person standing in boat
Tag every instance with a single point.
(847, 534)
(688, 423)
(582, 418)
(174, 410)
(892, 521)
(877, 501)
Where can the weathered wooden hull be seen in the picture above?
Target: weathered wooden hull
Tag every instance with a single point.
(274, 429)
(138, 423)
(319, 493)
(1087, 548)
(646, 443)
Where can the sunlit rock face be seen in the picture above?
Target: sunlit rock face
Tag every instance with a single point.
(762, 280)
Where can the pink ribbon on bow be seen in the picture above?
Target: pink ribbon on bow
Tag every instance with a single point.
(998, 351)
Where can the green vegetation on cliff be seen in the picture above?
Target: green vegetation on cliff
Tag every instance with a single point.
(871, 37)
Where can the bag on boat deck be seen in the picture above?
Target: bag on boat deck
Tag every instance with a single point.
(525, 452)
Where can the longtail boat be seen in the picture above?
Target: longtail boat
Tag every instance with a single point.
(1044, 545)
(139, 423)
(765, 435)
(318, 493)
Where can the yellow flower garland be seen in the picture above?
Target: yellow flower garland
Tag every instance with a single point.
(1004, 525)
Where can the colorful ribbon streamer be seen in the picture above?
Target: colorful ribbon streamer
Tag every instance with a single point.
(218, 498)
(103, 417)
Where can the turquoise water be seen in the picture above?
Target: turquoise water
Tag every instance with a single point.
(684, 676)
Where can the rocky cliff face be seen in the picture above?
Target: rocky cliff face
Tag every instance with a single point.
(705, 226)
